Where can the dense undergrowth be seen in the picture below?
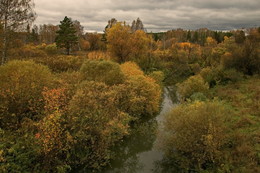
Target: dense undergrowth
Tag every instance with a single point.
(60, 121)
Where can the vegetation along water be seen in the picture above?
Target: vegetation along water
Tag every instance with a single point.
(126, 100)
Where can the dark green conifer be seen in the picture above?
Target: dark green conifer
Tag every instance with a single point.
(66, 37)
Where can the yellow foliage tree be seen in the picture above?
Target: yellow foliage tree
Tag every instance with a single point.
(119, 44)
(125, 45)
(211, 42)
(140, 44)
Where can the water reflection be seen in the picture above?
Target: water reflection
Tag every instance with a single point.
(128, 156)
(138, 153)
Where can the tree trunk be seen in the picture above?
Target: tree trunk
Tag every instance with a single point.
(4, 50)
(68, 50)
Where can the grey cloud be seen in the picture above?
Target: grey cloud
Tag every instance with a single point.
(156, 14)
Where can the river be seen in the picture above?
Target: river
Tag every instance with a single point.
(139, 153)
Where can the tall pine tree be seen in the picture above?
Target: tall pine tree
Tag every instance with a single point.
(66, 37)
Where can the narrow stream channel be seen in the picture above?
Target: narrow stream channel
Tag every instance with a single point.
(139, 153)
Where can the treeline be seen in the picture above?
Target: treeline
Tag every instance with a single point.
(195, 36)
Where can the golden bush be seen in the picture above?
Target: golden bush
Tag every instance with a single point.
(195, 133)
(102, 71)
(21, 86)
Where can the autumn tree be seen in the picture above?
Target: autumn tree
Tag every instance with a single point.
(32, 34)
(110, 24)
(66, 37)
(94, 40)
(137, 25)
(13, 15)
(47, 33)
(125, 45)
(141, 43)
(79, 32)
(119, 44)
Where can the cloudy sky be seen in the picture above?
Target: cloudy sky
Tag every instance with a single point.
(157, 15)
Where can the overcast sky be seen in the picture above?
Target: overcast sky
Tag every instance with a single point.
(156, 15)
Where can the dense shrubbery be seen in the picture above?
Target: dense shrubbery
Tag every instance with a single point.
(51, 49)
(96, 123)
(214, 76)
(102, 71)
(28, 51)
(61, 63)
(72, 118)
(141, 96)
(131, 69)
(98, 55)
(198, 135)
(21, 86)
(193, 84)
(195, 134)
(143, 92)
(158, 76)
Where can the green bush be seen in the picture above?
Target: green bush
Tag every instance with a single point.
(214, 76)
(19, 151)
(192, 85)
(232, 75)
(198, 96)
(51, 49)
(208, 74)
(194, 135)
(21, 86)
(102, 71)
(158, 76)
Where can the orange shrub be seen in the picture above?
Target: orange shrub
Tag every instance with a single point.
(131, 69)
(84, 45)
(98, 55)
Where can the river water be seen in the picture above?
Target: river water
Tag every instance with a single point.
(139, 153)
